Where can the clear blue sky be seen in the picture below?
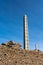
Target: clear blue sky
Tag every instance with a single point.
(11, 21)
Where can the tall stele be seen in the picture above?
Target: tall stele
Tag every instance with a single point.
(25, 25)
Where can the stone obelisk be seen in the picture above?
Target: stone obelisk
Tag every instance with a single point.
(25, 25)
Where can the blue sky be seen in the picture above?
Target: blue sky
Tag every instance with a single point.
(11, 21)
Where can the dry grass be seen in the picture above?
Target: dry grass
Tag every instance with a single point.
(14, 55)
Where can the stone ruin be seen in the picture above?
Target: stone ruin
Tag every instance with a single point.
(11, 44)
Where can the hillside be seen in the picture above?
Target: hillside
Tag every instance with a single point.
(12, 54)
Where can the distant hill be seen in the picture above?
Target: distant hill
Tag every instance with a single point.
(12, 54)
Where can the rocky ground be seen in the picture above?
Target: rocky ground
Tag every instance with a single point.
(12, 54)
